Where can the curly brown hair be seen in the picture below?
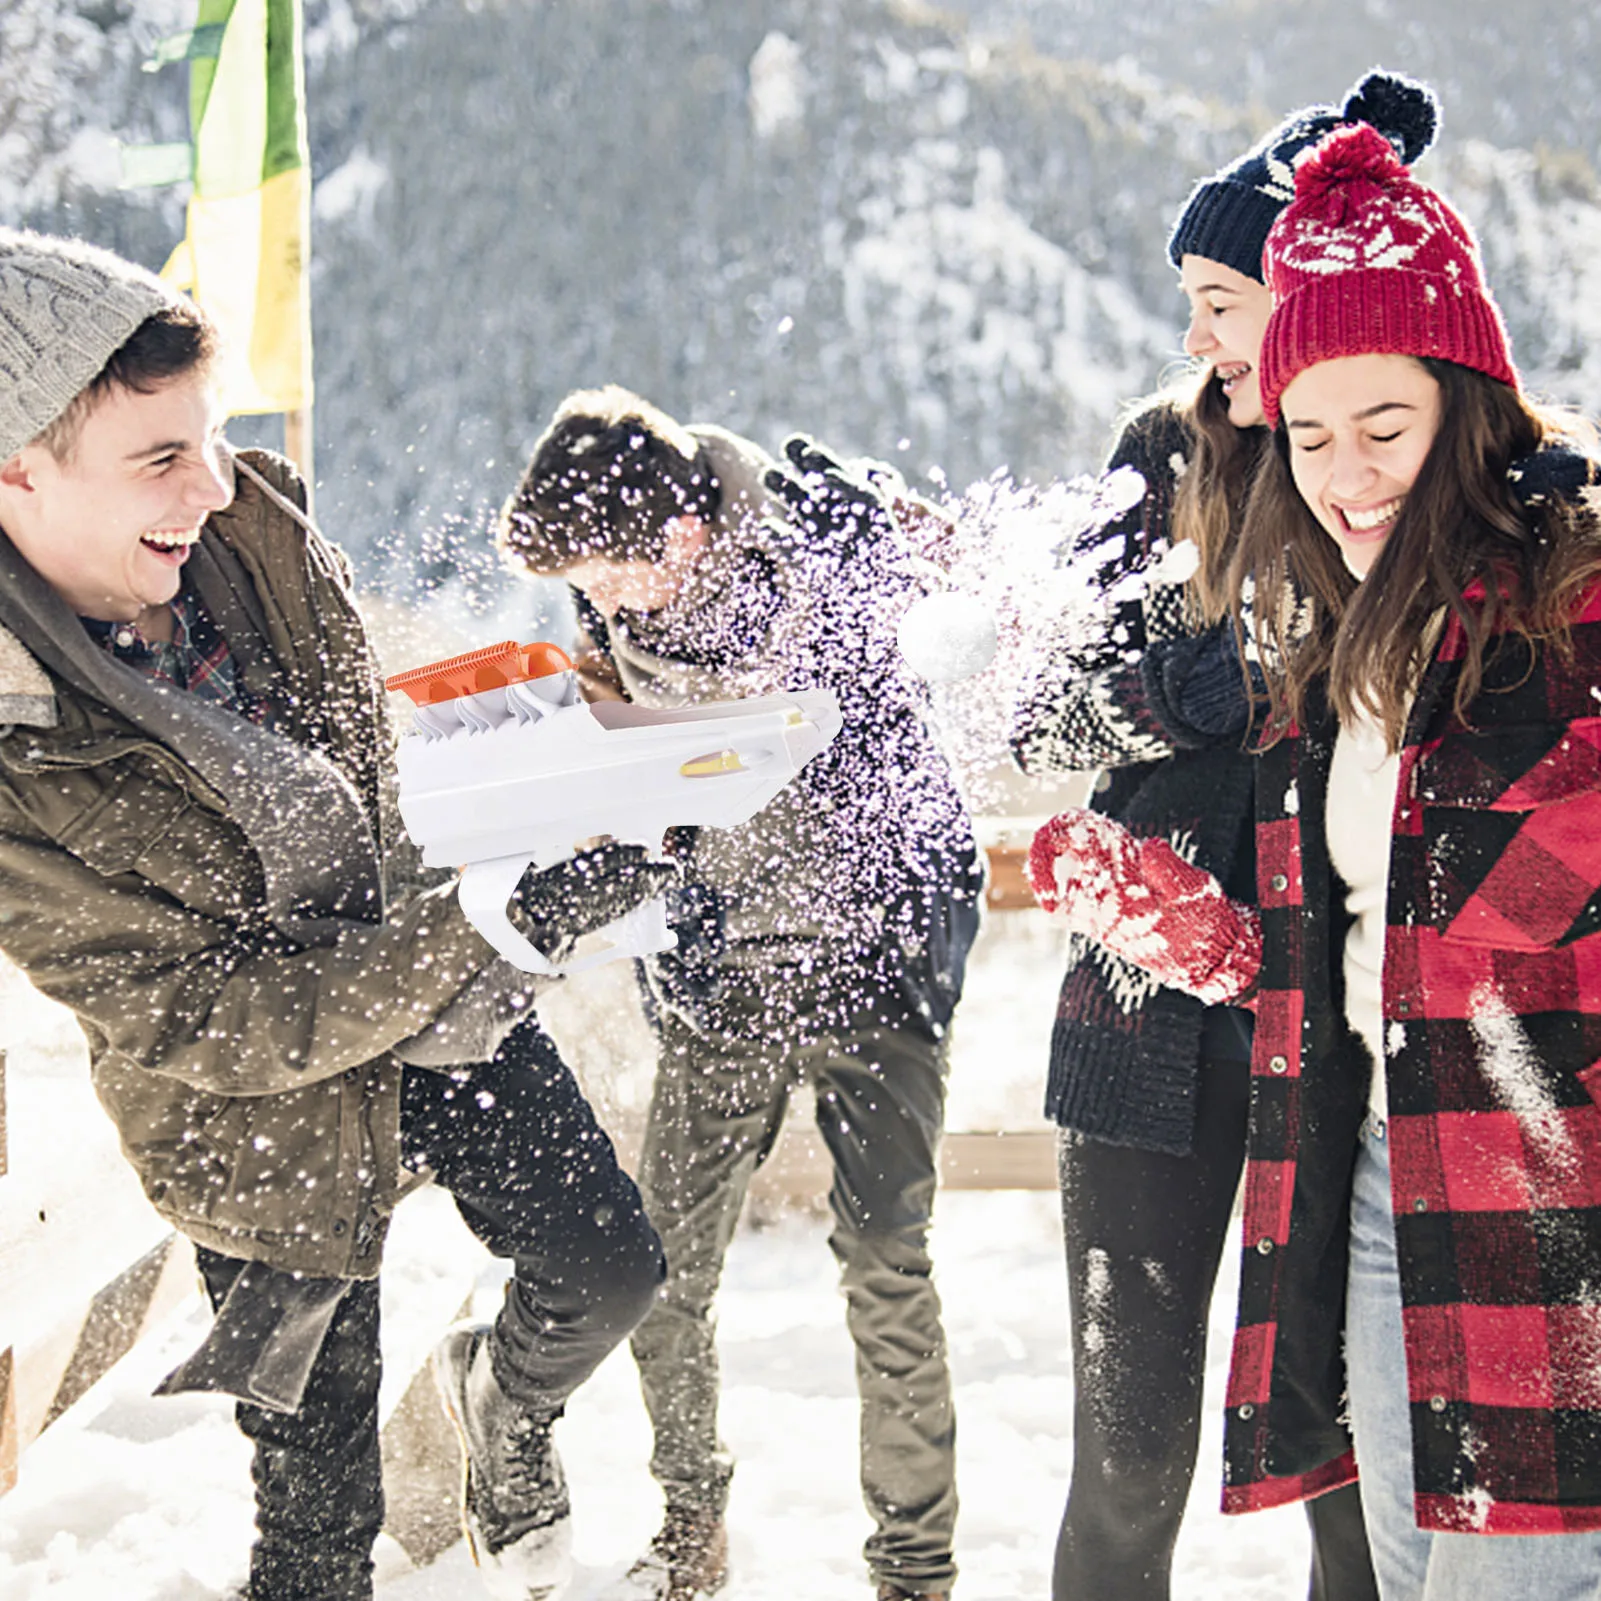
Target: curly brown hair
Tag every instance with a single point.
(605, 478)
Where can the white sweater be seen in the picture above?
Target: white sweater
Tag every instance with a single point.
(1362, 783)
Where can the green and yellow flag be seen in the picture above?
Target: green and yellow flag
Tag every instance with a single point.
(246, 254)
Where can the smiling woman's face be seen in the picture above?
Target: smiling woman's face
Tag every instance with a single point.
(1228, 316)
(1360, 429)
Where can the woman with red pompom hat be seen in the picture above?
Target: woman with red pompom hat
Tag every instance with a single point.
(1423, 1200)
(1148, 1087)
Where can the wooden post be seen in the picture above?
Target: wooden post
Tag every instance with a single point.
(422, 1467)
(1007, 888)
(299, 447)
(9, 1448)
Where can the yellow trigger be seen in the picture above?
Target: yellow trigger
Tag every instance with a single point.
(719, 761)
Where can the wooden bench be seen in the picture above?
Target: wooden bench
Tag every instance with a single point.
(86, 1267)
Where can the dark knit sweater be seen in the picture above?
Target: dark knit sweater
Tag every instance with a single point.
(1125, 1050)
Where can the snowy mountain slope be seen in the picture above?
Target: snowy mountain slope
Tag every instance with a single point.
(865, 219)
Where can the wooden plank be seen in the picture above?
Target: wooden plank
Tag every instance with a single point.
(1007, 888)
(117, 1316)
(85, 1262)
(72, 1218)
(52, 1370)
(423, 1469)
(800, 1167)
(1022, 1159)
(10, 1446)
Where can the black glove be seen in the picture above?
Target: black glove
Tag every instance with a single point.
(691, 975)
(1197, 690)
(555, 907)
(1555, 472)
(844, 507)
(695, 913)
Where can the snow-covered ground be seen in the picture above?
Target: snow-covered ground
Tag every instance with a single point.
(141, 1499)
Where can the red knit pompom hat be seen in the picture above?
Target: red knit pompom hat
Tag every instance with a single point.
(1366, 260)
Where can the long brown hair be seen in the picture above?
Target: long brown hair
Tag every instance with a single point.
(1209, 498)
(1212, 494)
(1460, 528)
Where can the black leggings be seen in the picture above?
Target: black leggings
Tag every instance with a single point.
(1145, 1233)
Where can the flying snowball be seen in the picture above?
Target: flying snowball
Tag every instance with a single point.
(947, 637)
(1180, 562)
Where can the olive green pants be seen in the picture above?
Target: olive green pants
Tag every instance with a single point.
(719, 1101)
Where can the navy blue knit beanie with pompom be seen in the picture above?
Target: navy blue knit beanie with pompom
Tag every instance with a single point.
(1228, 215)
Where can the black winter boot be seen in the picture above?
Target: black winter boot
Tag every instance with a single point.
(514, 1498)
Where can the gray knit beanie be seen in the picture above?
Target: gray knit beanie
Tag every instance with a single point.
(66, 308)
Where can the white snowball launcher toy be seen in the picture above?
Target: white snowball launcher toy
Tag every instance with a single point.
(508, 767)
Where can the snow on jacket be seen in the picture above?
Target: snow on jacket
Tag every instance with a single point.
(1125, 1050)
(1492, 1007)
(871, 847)
(248, 1070)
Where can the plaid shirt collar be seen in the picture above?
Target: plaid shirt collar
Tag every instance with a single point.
(196, 659)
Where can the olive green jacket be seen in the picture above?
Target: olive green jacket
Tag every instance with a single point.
(231, 911)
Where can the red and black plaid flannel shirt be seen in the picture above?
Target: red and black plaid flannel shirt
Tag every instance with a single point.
(1492, 1001)
(197, 658)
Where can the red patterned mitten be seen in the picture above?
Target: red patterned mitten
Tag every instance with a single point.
(1142, 901)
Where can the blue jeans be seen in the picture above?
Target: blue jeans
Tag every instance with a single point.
(1416, 1564)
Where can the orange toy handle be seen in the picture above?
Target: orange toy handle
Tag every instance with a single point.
(493, 667)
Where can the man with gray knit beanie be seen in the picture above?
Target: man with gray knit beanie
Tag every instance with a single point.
(289, 1025)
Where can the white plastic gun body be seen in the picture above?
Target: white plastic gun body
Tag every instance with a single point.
(524, 773)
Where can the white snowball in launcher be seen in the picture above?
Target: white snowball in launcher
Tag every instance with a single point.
(947, 637)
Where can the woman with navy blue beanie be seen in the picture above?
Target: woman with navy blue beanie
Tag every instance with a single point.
(1149, 1086)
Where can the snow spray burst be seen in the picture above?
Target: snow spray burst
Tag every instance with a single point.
(1022, 572)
